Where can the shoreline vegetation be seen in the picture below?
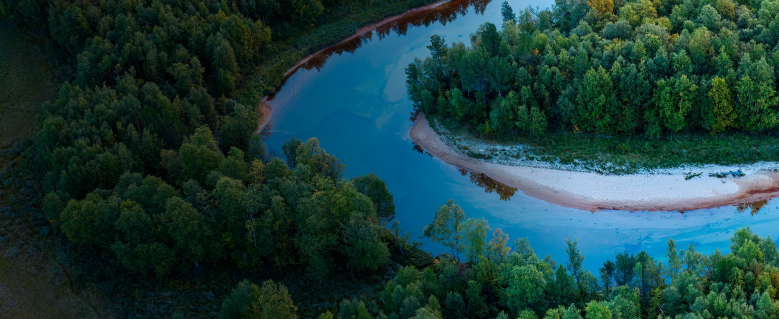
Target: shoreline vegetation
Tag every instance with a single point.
(681, 189)
(674, 95)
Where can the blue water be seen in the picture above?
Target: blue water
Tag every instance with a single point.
(356, 105)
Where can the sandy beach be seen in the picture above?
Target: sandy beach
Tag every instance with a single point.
(665, 190)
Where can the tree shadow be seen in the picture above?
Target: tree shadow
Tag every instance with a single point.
(752, 207)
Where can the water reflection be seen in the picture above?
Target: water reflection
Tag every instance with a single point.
(753, 207)
(419, 149)
(357, 107)
(443, 14)
(490, 185)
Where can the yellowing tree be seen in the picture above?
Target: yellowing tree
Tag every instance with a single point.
(722, 99)
(602, 6)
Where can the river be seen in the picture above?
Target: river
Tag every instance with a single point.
(353, 99)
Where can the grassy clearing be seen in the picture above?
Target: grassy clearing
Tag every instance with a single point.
(619, 154)
(627, 154)
(23, 295)
(26, 81)
(32, 283)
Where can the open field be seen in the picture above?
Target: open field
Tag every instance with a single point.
(617, 154)
(32, 283)
(33, 286)
(26, 82)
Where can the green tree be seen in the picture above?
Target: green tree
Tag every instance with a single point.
(77, 221)
(508, 13)
(238, 304)
(234, 165)
(710, 17)
(598, 310)
(353, 309)
(502, 114)
(575, 260)
(675, 98)
(477, 303)
(363, 245)
(563, 288)
(475, 233)
(723, 115)
(447, 228)
(249, 301)
(755, 105)
(454, 305)
(459, 105)
(538, 121)
(236, 129)
(372, 186)
(672, 257)
(437, 47)
(594, 102)
(572, 313)
(525, 286)
(497, 249)
(307, 10)
(489, 39)
(607, 274)
(626, 303)
(231, 213)
(273, 301)
(200, 156)
(188, 228)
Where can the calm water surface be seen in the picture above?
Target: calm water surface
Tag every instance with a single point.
(354, 101)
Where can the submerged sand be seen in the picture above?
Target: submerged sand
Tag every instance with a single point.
(666, 190)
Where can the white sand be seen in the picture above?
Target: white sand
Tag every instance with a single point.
(665, 190)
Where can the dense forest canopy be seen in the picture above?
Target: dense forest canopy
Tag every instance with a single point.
(610, 67)
(146, 156)
(150, 170)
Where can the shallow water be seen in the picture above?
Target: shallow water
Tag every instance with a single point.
(353, 99)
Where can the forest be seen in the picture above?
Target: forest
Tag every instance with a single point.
(611, 67)
(489, 279)
(147, 169)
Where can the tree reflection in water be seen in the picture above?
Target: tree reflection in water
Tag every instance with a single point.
(753, 207)
(444, 14)
(490, 185)
(419, 149)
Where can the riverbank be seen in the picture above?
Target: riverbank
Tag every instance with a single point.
(680, 189)
(265, 108)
